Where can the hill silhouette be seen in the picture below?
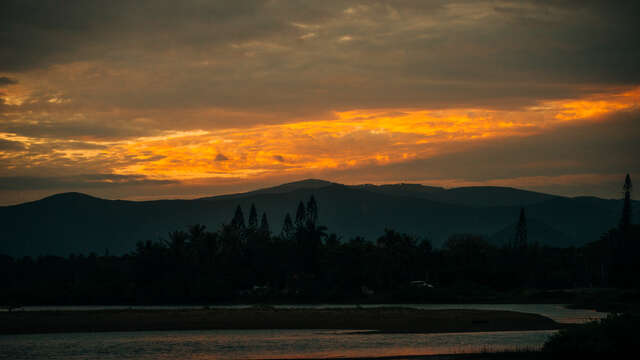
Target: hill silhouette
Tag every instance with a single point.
(476, 196)
(78, 223)
(538, 232)
(308, 184)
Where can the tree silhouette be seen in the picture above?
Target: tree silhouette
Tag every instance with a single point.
(312, 244)
(309, 236)
(625, 219)
(624, 265)
(521, 231)
(199, 266)
(396, 258)
(238, 219)
(177, 243)
(197, 233)
(209, 248)
(312, 212)
(287, 228)
(264, 224)
(253, 218)
(470, 257)
(301, 216)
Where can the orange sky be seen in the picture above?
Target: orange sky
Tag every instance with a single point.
(127, 100)
(349, 140)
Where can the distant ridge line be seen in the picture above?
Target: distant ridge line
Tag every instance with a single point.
(78, 223)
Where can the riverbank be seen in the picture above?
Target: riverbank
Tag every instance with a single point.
(506, 355)
(376, 319)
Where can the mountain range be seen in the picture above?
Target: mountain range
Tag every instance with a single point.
(77, 223)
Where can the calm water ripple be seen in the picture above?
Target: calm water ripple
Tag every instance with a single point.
(255, 344)
(273, 344)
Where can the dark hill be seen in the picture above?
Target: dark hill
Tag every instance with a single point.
(537, 232)
(77, 223)
(476, 196)
(483, 196)
(308, 184)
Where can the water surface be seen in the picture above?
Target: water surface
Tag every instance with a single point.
(256, 344)
(271, 344)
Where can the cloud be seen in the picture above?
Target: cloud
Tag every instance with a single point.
(4, 81)
(10, 146)
(575, 158)
(407, 54)
(347, 140)
(86, 181)
(159, 89)
(42, 33)
(45, 125)
(221, 157)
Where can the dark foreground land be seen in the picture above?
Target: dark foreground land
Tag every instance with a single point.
(376, 319)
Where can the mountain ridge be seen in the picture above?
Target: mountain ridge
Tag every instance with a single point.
(435, 193)
(78, 223)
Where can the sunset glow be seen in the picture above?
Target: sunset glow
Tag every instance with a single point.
(353, 138)
(195, 167)
(347, 92)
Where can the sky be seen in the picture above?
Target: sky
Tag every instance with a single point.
(158, 99)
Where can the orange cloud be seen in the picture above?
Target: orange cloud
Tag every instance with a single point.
(596, 105)
(354, 138)
(351, 139)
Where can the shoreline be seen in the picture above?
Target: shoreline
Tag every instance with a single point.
(368, 319)
(507, 355)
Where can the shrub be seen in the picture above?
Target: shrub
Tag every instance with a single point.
(614, 334)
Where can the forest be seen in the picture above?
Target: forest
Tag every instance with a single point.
(245, 261)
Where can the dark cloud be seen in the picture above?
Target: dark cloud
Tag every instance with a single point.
(74, 129)
(10, 146)
(401, 53)
(77, 181)
(221, 157)
(4, 81)
(278, 158)
(41, 33)
(114, 70)
(48, 147)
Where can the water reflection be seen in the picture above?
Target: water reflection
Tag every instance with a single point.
(256, 344)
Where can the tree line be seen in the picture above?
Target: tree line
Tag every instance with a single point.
(245, 261)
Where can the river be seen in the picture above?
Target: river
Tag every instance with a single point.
(273, 344)
(256, 344)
